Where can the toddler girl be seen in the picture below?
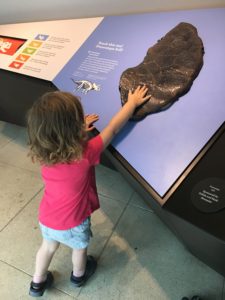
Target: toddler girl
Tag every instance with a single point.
(58, 140)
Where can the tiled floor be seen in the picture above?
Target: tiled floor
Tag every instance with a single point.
(138, 257)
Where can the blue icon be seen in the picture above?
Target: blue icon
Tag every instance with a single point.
(41, 37)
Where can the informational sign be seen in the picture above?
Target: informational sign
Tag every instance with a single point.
(161, 146)
(209, 195)
(41, 49)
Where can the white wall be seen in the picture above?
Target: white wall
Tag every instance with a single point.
(18, 11)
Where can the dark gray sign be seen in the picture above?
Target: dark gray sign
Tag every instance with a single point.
(209, 195)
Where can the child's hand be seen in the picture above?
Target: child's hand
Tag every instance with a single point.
(89, 120)
(138, 97)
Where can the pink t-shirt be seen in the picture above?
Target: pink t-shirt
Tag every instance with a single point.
(70, 194)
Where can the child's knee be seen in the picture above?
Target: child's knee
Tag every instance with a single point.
(51, 246)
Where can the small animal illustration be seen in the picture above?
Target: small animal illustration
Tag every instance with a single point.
(86, 86)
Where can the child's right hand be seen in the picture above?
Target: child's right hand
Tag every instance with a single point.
(135, 99)
(138, 97)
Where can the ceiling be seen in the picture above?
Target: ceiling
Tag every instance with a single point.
(20, 11)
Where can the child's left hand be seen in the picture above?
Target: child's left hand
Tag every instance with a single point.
(89, 120)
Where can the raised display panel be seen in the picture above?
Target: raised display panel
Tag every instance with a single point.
(160, 147)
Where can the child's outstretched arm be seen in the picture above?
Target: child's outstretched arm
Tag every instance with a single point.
(135, 99)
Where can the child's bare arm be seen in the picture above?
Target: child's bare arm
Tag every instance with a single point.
(135, 99)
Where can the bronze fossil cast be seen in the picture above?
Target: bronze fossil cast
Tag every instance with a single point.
(168, 69)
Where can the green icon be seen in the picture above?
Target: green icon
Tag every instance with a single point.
(29, 51)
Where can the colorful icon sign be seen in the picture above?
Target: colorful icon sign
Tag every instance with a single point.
(22, 57)
(29, 51)
(9, 46)
(16, 65)
(41, 37)
(35, 44)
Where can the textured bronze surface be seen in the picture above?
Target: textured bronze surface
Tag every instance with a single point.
(168, 69)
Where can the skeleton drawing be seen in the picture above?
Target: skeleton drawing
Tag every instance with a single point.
(86, 86)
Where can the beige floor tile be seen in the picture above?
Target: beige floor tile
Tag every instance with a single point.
(111, 183)
(8, 132)
(21, 238)
(17, 187)
(15, 153)
(26, 243)
(144, 260)
(14, 285)
(138, 201)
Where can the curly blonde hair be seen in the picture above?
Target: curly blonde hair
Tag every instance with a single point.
(56, 129)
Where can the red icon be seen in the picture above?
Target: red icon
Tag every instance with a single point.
(16, 65)
(9, 46)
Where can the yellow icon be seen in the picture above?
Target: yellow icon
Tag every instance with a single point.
(35, 44)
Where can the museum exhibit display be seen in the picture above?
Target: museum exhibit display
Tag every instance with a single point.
(171, 154)
(167, 70)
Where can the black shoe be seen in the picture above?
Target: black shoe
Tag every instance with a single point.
(90, 269)
(185, 298)
(196, 298)
(38, 289)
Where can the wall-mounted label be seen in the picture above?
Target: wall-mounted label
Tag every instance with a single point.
(43, 47)
(209, 195)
